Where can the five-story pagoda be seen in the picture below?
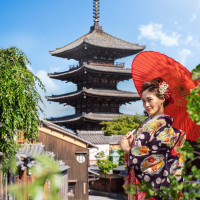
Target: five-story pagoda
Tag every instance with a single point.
(96, 76)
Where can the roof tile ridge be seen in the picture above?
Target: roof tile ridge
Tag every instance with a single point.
(60, 95)
(124, 40)
(62, 73)
(83, 37)
(66, 116)
(106, 67)
(109, 90)
(89, 35)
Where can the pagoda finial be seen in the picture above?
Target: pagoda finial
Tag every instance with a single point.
(96, 26)
(96, 11)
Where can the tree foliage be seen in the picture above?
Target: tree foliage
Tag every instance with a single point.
(122, 125)
(45, 169)
(122, 154)
(104, 164)
(194, 98)
(19, 99)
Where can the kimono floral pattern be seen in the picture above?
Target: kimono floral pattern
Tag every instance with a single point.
(168, 136)
(153, 160)
(140, 151)
(152, 164)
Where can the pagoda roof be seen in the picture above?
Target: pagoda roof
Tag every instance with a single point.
(95, 92)
(99, 39)
(81, 69)
(96, 117)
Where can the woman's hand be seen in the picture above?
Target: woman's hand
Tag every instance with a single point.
(129, 136)
(126, 142)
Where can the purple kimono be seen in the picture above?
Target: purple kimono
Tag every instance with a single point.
(153, 157)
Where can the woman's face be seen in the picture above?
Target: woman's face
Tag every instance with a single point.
(152, 104)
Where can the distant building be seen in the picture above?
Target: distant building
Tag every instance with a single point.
(97, 74)
(104, 143)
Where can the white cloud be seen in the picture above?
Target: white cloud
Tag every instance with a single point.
(54, 109)
(191, 41)
(48, 82)
(155, 32)
(132, 108)
(29, 67)
(183, 55)
(194, 16)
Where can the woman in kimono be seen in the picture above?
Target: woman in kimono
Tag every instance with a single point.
(151, 151)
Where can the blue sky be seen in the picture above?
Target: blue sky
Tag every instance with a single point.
(36, 27)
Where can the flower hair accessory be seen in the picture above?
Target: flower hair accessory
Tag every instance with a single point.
(164, 90)
(163, 87)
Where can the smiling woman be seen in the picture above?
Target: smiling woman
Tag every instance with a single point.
(151, 150)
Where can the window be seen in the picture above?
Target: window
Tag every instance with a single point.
(71, 188)
(80, 158)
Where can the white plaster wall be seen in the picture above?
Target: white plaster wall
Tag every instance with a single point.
(94, 151)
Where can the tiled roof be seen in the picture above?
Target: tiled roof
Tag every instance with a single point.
(30, 151)
(89, 116)
(120, 168)
(96, 92)
(80, 69)
(99, 39)
(95, 137)
(89, 132)
(98, 137)
(113, 139)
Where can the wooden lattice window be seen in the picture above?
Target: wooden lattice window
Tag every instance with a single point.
(71, 188)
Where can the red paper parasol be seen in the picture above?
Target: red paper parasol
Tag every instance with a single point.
(149, 65)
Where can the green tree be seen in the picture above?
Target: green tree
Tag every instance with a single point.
(122, 125)
(122, 154)
(194, 98)
(19, 100)
(104, 163)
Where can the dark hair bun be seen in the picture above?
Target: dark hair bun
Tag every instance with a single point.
(153, 86)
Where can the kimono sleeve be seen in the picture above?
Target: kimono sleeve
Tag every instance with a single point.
(157, 139)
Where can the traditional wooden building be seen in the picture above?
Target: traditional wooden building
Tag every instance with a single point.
(96, 76)
(73, 151)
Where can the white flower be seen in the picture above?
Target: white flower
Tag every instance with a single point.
(163, 87)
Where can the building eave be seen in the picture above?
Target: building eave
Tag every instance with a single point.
(102, 69)
(87, 116)
(132, 96)
(65, 131)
